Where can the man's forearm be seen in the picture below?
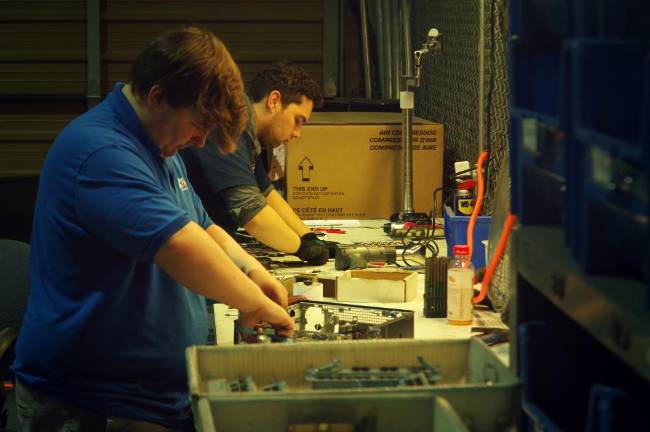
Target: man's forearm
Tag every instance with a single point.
(239, 256)
(286, 213)
(269, 228)
(196, 260)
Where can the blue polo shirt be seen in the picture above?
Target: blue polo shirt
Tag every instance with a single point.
(105, 327)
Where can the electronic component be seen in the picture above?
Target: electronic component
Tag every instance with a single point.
(332, 376)
(337, 321)
(435, 287)
(358, 257)
(243, 384)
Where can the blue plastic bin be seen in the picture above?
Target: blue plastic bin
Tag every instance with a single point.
(537, 31)
(541, 22)
(538, 169)
(608, 177)
(539, 84)
(608, 92)
(535, 79)
(456, 234)
(607, 19)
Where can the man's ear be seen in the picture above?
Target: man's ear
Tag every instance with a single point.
(154, 98)
(274, 101)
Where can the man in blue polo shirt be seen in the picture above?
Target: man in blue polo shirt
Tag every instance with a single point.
(123, 253)
(235, 188)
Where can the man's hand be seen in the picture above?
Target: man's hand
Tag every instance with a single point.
(270, 286)
(312, 250)
(272, 314)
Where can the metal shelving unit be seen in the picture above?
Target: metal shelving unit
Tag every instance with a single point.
(612, 310)
(581, 343)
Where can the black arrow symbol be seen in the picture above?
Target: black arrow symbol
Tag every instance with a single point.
(305, 166)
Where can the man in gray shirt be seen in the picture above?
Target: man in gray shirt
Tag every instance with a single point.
(235, 187)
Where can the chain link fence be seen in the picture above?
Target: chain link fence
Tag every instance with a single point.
(449, 90)
(450, 94)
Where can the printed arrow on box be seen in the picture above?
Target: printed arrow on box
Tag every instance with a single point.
(305, 166)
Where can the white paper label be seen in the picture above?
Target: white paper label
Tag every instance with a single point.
(459, 294)
(529, 134)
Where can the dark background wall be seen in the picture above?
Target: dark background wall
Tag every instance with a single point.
(43, 81)
(43, 66)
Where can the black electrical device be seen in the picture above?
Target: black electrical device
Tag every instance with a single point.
(358, 256)
(409, 224)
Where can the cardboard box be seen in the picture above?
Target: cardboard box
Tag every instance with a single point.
(377, 286)
(478, 386)
(349, 166)
(328, 281)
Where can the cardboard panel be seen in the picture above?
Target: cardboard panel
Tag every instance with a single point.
(349, 165)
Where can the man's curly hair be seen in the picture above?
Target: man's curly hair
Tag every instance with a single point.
(290, 80)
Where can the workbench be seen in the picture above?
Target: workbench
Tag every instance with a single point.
(424, 328)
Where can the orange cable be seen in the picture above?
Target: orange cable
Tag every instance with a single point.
(477, 206)
(498, 253)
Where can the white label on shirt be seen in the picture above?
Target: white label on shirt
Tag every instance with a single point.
(182, 183)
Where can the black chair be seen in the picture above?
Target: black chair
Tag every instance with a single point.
(15, 288)
(16, 219)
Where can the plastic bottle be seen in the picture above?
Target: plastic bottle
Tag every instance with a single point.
(460, 287)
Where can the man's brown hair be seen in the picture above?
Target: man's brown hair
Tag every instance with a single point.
(290, 80)
(194, 69)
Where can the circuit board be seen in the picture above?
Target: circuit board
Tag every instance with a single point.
(337, 321)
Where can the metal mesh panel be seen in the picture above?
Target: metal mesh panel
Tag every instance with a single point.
(449, 94)
(499, 293)
(496, 93)
(449, 91)
(496, 100)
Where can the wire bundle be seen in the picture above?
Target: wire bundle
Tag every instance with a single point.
(425, 243)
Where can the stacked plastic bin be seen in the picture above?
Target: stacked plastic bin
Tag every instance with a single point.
(580, 127)
(538, 114)
(580, 132)
(608, 181)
